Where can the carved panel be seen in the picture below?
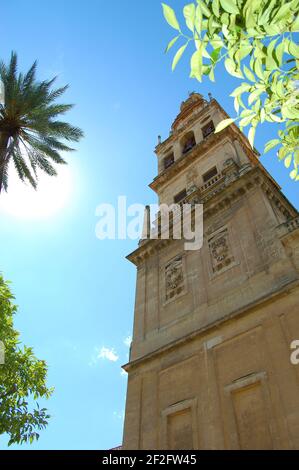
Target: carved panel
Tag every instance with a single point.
(251, 417)
(174, 278)
(220, 251)
(179, 427)
(179, 430)
(269, 247)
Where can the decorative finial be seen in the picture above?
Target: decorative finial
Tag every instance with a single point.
(159, 139)
(210, 96)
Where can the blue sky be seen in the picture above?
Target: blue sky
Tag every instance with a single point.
(76, 293)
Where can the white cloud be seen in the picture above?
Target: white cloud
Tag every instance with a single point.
(123, 373)
(128, 341)
(106, 353)
(103, 353)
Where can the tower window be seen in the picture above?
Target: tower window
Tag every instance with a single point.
(188, 142)
(208, 129)
(180, 196)
(209, 174)
(168, 161)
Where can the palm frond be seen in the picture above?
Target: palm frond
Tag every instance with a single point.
(30, 125)
(22, 168)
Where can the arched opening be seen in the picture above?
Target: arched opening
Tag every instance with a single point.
(208, 129)
(188, 142)
(168, 161)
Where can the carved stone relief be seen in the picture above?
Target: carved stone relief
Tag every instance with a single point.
(220, 251)
(270, 248)
(174, 278)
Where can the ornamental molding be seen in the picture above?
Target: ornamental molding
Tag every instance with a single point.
(206, 146)
(219, 198)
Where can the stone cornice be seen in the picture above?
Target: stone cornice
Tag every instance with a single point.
(290, 227)
(219, 197)
(202, 148)
(262, 301)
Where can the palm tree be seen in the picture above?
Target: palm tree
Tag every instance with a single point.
(30, 134)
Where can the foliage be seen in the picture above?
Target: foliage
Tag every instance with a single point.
(22, 380)
(30, 133)
(258, 43)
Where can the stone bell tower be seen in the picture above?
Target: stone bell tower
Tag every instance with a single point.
(210, 365)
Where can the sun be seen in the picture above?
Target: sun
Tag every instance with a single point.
(51, 196)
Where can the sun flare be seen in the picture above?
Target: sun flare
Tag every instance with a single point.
(51, 196)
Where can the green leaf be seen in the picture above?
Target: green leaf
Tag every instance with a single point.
(249, 74)
(273, 118)
(280, 90)
(293, 49)
(282, 152)
(171, 43)
(170, 17)
(225, 19)
(279, 50)
(241, 89)
(225, 32)
(189, 14)
(271, 29)
(244, 51)
(198, 19)
(223, 124)
(284, 10)
(254, 95)
(196, 64)
(206, 12)
(264, 17)
(215, 8)
(215, 54)
(217, 42)
(247, 120)
(288, 161)
(294, 173)
(206, 69)
(271, 144)
(229, 6)
(270, 59)
(231, 68)
(251, 135)
(295, 25)
(289, 112)
(178, 55)
(258, 50)
(258, 69)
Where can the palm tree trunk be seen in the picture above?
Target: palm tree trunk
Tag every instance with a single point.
(4, 139)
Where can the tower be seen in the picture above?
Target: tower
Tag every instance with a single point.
(210, 365)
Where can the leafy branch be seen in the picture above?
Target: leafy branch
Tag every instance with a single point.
(256, 41)
(22, 380)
